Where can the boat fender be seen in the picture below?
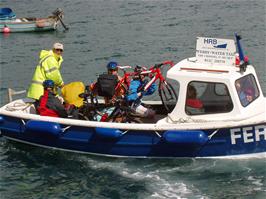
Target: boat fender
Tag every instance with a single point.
(6, 29)
(1, 119)
(185, 137)
(108, 133)
(43, 128)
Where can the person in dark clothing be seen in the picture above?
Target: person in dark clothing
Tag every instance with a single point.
(49, 104)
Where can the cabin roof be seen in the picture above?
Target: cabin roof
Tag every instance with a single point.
(191, 69)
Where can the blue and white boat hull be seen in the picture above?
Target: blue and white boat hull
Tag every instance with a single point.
(136, 140)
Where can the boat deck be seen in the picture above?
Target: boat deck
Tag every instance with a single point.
(29, 108)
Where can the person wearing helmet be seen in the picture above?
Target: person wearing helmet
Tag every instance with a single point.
(49, 104)
(112, 70)
(48, 68)
(135, 93)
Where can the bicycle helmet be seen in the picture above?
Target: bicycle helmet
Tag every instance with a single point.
(48, 84)
(112, 65)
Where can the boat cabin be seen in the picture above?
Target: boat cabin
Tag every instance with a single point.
(214, 85)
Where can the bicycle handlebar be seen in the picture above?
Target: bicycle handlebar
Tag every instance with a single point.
(148, 71)
(124, 67)
(171, 63)
(167, 62)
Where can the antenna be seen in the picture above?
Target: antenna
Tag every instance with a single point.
(243, 62)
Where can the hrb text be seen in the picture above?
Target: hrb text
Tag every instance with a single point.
(210, 41)
(248, 134)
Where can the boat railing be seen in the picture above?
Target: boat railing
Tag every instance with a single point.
(12, 92)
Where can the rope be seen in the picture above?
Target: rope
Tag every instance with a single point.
(18, 106)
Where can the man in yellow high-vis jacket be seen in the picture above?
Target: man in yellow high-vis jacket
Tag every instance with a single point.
(47, 69)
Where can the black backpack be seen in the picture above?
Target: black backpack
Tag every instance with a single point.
(106, 84)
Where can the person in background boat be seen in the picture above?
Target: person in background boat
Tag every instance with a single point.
(135, 93)
(48, 68)
(193, 105)
(49, 104)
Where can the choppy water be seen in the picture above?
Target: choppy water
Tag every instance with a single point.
(130, 32)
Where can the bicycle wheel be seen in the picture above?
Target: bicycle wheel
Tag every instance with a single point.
(167, 95)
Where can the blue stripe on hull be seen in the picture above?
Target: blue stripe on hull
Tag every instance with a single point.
(246, 140)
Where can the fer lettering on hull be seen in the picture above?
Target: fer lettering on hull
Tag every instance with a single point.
(248, 134)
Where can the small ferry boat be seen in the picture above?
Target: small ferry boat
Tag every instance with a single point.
(220, 113)
(9, 23)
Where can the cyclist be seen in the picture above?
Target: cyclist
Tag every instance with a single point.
(49, 104)
(135, 93)
(109, 88)
(112, 69)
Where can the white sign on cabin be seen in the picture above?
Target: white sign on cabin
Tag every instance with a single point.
(216, 51)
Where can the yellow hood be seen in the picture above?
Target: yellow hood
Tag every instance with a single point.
(45, 53)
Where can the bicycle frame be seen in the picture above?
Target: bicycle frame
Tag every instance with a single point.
(153, 70)
(158, 74)
(125, 79)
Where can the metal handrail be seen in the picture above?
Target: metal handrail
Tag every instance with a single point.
(12, 92)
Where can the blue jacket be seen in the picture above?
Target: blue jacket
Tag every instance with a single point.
(134, 87)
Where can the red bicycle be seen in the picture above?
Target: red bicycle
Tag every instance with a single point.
(124, 82)
(166, 90)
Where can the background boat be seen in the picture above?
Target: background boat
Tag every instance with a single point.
(30, 24)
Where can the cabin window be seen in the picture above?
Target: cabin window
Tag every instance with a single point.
(247, 89)
(207, 98)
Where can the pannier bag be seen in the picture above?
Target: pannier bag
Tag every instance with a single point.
(106, 84)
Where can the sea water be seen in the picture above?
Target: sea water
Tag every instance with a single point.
(131, 32)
